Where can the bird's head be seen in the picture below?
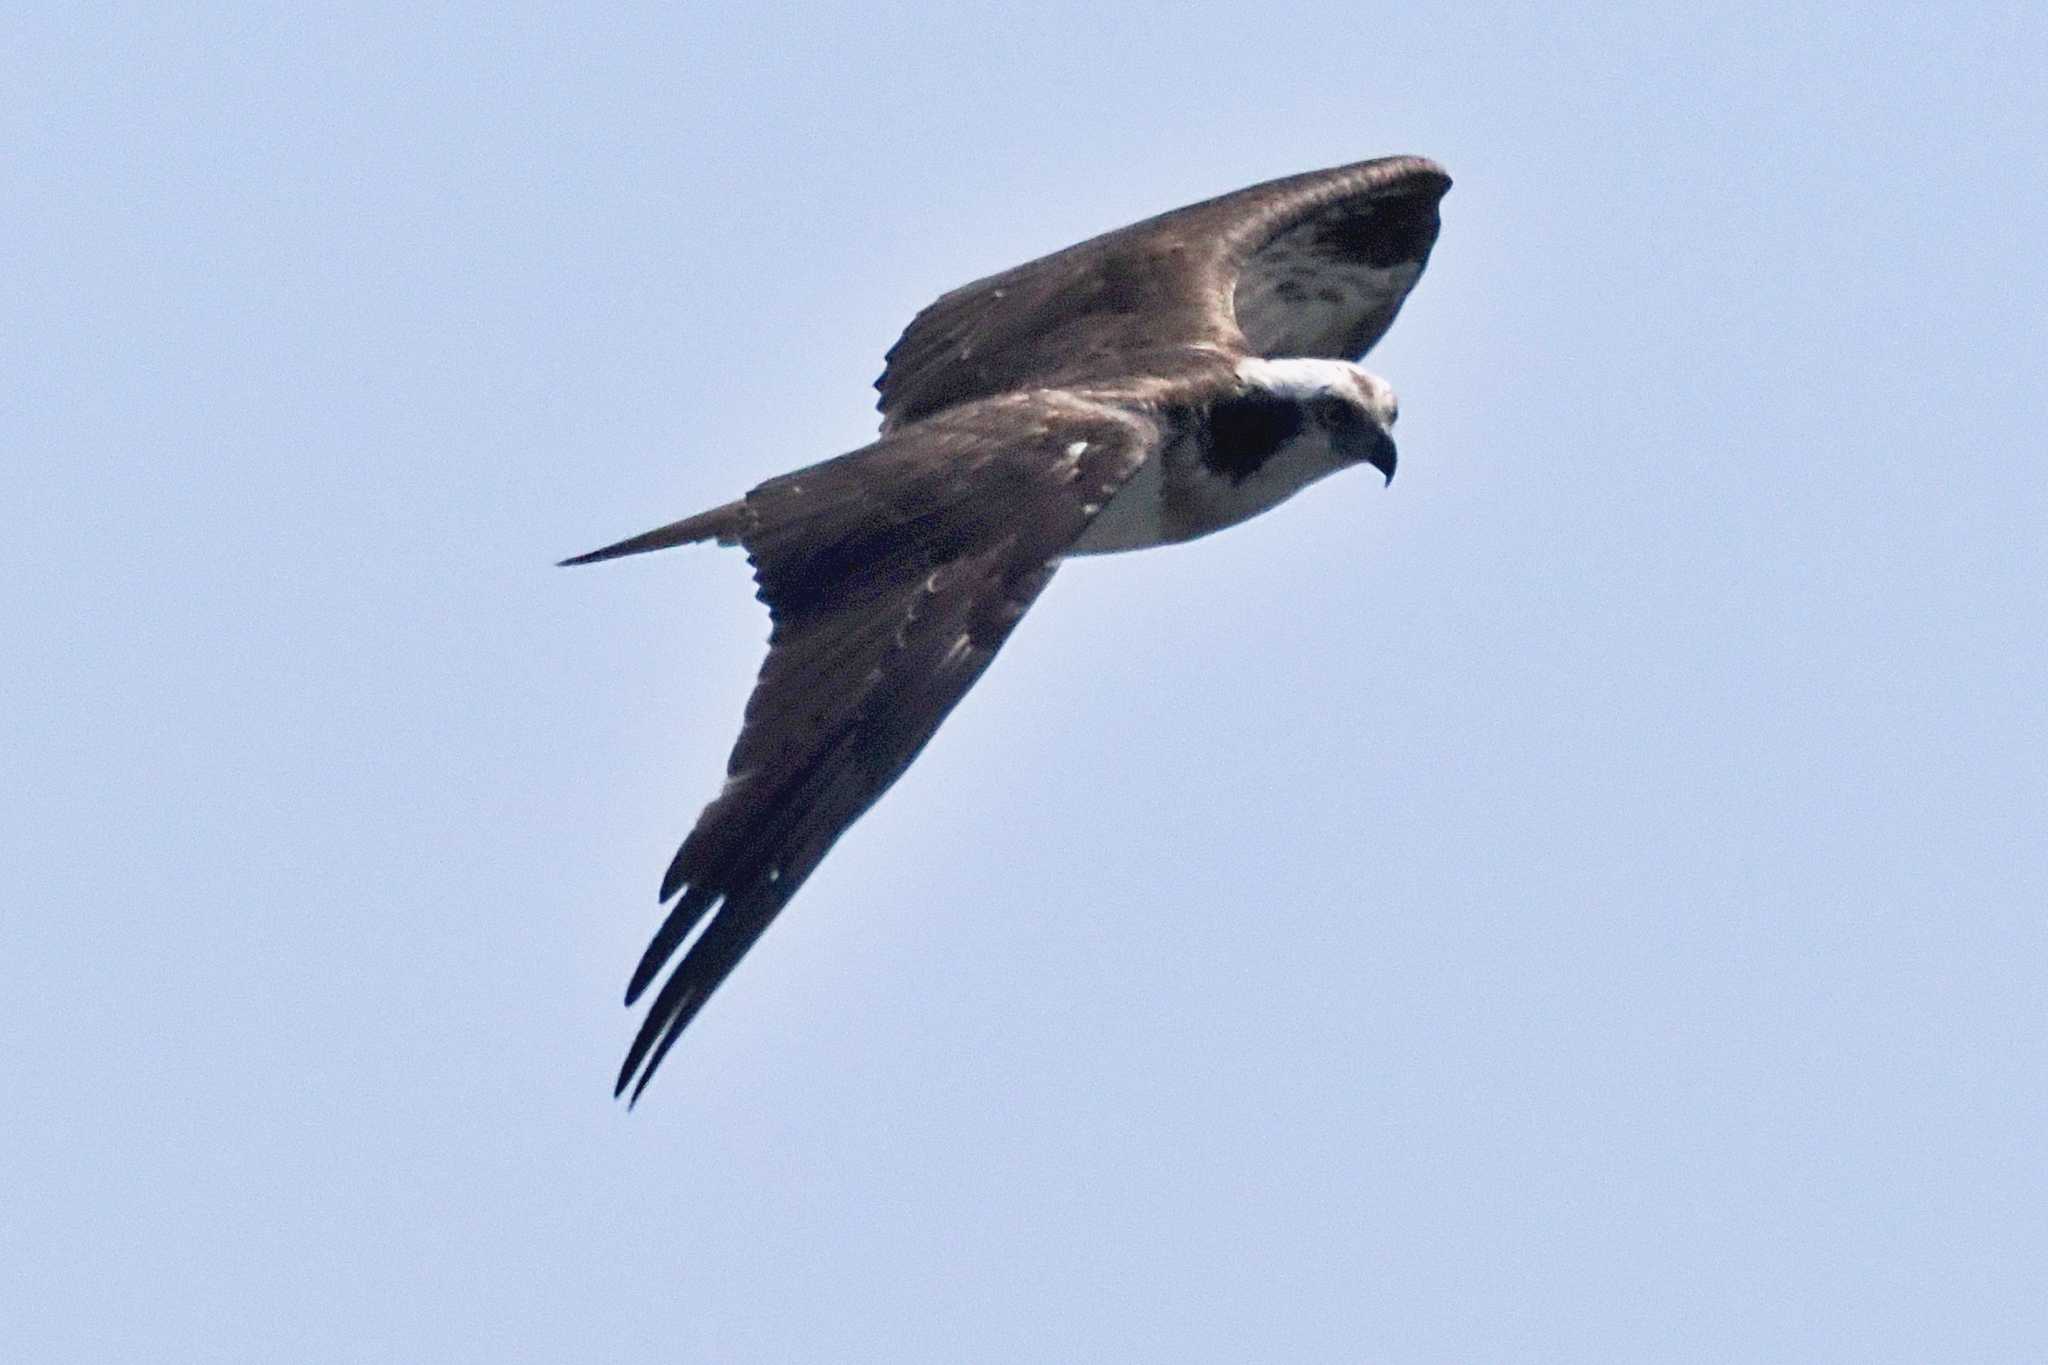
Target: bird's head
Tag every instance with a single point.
(1355, 407)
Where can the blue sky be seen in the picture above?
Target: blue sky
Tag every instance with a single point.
(1583, 902)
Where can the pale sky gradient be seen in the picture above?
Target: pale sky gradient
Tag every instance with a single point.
(1585, 902)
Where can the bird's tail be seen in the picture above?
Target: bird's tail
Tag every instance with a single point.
(722, 524)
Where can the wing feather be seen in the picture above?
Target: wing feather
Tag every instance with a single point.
(892, 576)
(1312, 265)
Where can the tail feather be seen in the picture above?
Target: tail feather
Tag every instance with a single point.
(722, 524)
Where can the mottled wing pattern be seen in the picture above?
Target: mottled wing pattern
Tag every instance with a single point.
(1330, 282)
(1312, 265)
(892, 576)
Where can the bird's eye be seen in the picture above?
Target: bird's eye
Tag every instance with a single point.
(1331, 413)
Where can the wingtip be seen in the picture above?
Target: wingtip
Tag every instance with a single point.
(633, 1077)
(631, 1068)
(1417, 168)
(669, 1033)
(643, 976)
(676, 927)
(618, 551)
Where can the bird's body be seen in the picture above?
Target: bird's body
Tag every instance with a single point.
(1146, 387)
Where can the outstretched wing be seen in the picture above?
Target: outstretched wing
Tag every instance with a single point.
(892, 576)
(1312, 265)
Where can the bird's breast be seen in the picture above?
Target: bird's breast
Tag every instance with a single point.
(1184, 492)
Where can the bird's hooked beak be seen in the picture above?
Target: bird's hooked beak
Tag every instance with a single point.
(1382, 410)
(1379, 452)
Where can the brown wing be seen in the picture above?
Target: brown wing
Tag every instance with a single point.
(1313, 265)
(892, 576)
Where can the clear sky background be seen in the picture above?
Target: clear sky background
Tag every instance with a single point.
(1585, 902)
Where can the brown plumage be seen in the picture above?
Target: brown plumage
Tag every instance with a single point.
(1016, 409)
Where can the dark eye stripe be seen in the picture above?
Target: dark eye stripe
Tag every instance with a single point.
(1245, 432)
(1332, 412)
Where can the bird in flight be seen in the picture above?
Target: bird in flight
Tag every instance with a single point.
(1144, 387)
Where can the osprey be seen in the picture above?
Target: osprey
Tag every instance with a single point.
(1145, 387)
